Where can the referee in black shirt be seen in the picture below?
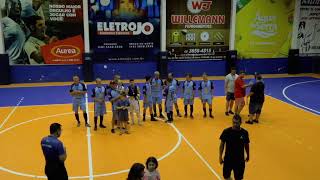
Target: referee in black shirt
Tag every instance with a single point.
(236, 140)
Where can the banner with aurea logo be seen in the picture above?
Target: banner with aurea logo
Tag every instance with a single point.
(264, 28)
(67, 51)
(198, 29)
(33, 28)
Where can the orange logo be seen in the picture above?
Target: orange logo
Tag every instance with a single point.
(65, 51)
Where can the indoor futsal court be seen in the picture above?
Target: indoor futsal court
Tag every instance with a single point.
(72, 73)
(283, 144)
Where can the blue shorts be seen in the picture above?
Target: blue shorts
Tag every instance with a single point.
(76, 103)
(175, 99)
(207, 100)
(147, 104)
(169, 107)
(99, 109)
(188, 101)
(157, 100)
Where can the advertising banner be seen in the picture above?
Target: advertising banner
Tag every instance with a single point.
(264, 28)
(124, 30)
(309, 28)
(32, 28)
(198, 29)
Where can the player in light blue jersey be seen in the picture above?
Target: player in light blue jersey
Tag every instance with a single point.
(175, 83)
(147, 99)
(99, 94)
(206, 94)
(114, 96)
(156, 88)
(78, 91)
(169, 96)
(188, 90)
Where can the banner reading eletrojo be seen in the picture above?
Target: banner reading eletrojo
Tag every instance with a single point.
(39, 32)
(198, 29)
(124, 30)
(264, 28)
(308, 38)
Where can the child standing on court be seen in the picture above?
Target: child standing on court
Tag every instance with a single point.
(122, 106)
(151, 172)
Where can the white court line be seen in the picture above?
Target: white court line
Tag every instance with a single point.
(21, 174)
(78, 177)
(195, 151)
(89, 142)
(200, 156)
(10, 114)
(300, 105)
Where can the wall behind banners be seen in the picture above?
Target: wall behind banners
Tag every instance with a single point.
(43, 32)
(264, 28)
(105, 70)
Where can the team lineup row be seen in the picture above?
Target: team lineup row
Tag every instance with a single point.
(125, 100)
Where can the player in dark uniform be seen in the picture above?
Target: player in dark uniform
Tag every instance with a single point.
(236, 140)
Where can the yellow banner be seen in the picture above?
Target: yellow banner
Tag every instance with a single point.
(264, 28)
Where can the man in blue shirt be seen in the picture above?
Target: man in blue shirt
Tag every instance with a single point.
(156, 88)
(114, 96)
(188, 88)
(175, 84)
(99, 96)
(147, 99)
(206, 94)
(55, 154)
(78, 91)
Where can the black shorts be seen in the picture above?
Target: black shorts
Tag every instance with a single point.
(56, 171)
(230, 96)
(237, 168)
(255, 108)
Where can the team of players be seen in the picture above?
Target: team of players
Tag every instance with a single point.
(125, 100)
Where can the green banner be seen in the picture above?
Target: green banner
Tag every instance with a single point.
(264, 28)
